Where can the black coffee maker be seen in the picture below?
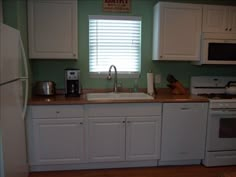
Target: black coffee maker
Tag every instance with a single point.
(72, 82)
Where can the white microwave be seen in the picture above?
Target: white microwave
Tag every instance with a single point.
(218, 48)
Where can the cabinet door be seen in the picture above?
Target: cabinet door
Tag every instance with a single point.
(143, 138)
(180, 30)
(52, 29)
(232, 19)
(58, 141)
(215, 18)
(183, 131)
(106, 139)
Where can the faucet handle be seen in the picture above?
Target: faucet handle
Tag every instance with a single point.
(109, 77)
(119, 85)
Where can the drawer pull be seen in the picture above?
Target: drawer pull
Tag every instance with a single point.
(185, 109)
(57, 112)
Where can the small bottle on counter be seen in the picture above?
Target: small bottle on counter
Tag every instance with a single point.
(135, 88)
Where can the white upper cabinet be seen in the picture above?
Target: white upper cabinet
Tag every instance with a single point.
(219, 19)
(177, 31)
(52, 29)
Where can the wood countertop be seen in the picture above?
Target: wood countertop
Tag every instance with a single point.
(162, 96)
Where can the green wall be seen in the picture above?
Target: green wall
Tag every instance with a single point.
(14, 14)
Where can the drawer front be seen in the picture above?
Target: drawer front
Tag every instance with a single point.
(64, 111)
(131, 109)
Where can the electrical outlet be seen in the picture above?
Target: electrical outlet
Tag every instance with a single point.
(157, 79)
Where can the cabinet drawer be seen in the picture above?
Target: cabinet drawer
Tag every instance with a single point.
(57, 111)
(131, 109)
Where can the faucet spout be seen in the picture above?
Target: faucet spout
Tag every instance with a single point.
(115, 89)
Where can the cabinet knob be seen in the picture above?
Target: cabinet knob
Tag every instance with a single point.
(81, 123)
(123, 121)
(226, 29)
(230, 29)
(57, 112)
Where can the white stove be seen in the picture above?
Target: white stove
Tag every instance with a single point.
(221, 128)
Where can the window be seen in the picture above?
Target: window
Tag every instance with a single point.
(115, 40)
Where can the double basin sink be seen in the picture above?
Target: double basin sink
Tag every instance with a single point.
(119, 96)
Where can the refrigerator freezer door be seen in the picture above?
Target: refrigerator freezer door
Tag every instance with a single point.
(12, 127)
(12, 57)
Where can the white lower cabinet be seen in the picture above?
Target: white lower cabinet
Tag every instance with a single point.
(58, 141)
(106, 139)
(123, 132)
(56, 135)
(76, 136)
(143, 137)
(183, 131)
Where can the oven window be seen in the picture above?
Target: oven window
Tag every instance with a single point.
(227, 128)
(222, 51)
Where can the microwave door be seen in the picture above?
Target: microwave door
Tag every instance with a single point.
(205, 50)
(220, 51)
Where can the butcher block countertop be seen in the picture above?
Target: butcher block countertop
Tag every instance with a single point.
(162, 96)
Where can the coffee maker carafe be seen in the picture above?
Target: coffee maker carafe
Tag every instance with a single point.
(72, 82)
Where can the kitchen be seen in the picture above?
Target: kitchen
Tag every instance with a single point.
(42, 69)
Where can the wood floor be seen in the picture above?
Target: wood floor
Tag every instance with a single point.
(167, 171)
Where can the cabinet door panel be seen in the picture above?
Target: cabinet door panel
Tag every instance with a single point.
(143, 138)
(106, 139)
(181, 36)
(58, 141)
(177, 28)
(52, 29)
(232, 19)
(183, 131)
(214, 18)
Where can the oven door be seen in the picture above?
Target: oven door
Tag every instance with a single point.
(221, 130)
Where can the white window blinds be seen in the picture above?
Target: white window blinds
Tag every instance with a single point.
(114, 40)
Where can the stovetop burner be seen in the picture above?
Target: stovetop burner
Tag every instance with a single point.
(218, 96)
(213, 88)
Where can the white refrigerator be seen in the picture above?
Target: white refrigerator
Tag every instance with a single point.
(13, 104)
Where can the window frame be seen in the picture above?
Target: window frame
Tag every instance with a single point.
(121, 74)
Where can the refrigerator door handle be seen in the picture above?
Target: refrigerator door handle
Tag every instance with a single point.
(25, 97)
(24, 79)
(24, 59)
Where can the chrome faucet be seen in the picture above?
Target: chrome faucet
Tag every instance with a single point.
(115, 89)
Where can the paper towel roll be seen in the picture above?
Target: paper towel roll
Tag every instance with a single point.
(150, 90)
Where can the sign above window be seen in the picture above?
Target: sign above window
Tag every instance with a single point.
(116, 5)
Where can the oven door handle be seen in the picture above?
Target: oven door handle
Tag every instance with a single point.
(222, 112)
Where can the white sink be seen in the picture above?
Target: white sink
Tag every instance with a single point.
(119, 96)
